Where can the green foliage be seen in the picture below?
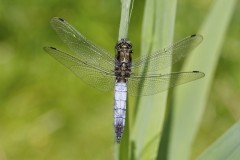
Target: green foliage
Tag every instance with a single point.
(226, 147)
(191, 100)
(157, 32)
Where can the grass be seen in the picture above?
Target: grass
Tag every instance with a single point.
(190, 107)
(157, 32)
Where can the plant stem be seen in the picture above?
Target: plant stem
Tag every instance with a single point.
(125, 18)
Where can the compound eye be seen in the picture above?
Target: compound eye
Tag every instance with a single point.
(130, 45)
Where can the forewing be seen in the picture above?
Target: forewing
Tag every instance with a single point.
(90, 74)
(83, 48)
(153, 84)
(168, 56)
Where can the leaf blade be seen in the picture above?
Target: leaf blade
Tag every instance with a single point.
(157, 33)
(225, 147)
(189, 107)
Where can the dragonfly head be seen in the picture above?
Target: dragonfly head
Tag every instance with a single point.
(124, 43)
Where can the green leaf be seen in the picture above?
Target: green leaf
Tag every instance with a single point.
(157, 33)
(227, 147)
(191, 99)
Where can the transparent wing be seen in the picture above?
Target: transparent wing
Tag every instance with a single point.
(168, 56)
(153, 84)
(84, 49)
(90, 74)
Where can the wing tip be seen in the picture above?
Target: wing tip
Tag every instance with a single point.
(197, 35)
(49, 48)
(53, 48)
(195, 71)
(57, 19)
(45, 48)
(202, 74)
(193, 35)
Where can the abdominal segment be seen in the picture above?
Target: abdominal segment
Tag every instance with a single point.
(120, 108)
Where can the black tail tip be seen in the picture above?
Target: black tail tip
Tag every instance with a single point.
(118, 139)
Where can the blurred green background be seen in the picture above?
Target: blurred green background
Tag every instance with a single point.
(46, 112)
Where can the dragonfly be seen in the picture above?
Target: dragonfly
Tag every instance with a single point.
(120, 73)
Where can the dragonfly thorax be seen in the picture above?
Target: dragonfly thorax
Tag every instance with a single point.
(123, 61)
